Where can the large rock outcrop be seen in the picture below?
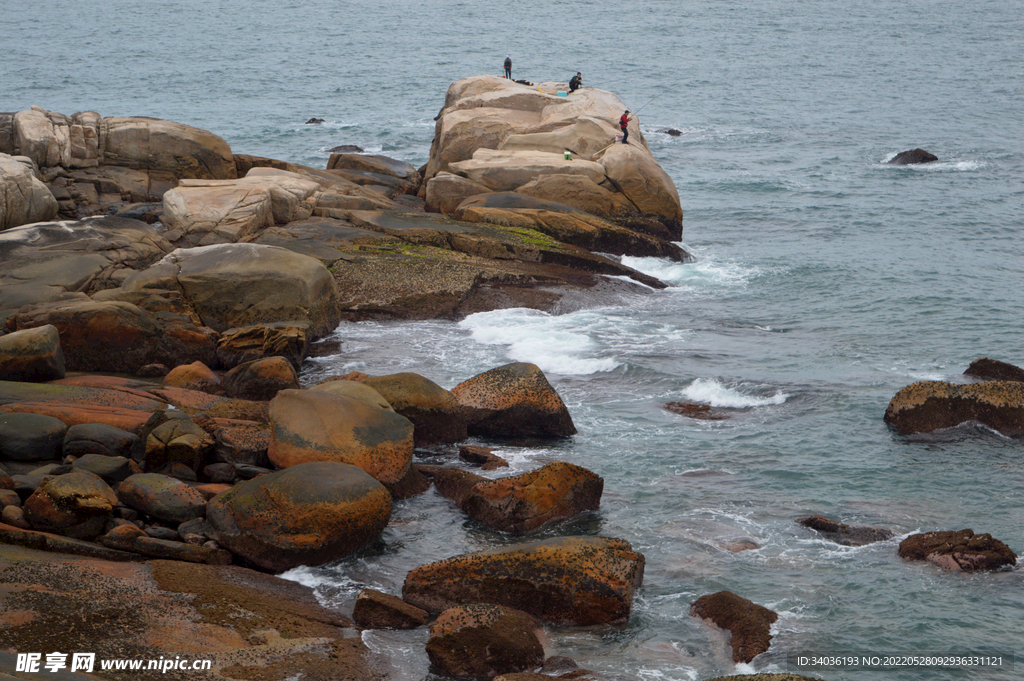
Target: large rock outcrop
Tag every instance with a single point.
(502, 136)
(305, 515)
(928, 406)
(577, 580)
(514, 400)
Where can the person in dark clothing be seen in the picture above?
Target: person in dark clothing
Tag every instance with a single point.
(575, 83)
(508, 66)
(624, 126)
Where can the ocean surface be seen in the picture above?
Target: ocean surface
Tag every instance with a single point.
(824, 281)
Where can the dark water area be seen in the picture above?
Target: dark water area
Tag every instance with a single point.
(825, 281)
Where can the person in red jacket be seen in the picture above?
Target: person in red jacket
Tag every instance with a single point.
(624, 126)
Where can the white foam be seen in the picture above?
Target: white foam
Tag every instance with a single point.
(559, 344)
(699, 274)
(709, 391)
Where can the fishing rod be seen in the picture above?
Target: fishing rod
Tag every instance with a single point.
(648, 102)
(592, 156)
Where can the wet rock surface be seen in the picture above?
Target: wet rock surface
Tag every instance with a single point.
(748, 622)
(960, 550)
(844, 534)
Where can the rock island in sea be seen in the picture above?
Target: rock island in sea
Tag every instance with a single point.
(148, 507)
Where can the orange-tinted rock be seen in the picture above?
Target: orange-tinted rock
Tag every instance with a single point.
(308, 425)
(31, 355)
(434, 412)
(242, 442)
(261, 379)
(481, 641)
(308, 514)
(513, 400)
(170, 436)
(355, 390)
(378, 610)
(244, 344)
(928, 406)
(521, 503)
(483, 456)
(749, 623)
(577, 580)
(210, 490)
(75, 504)
(84, 391)
(695, 410)
(959, 550)
(452, 483)
(126, 419)
(194, 376)
(121, 537)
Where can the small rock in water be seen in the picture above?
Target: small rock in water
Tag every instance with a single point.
(346, 149)
(993, 369)
(959, 550)
(844, 534)
(671, 131)
(695, 411)
(314, 121)
(906, 158)
(749, 623)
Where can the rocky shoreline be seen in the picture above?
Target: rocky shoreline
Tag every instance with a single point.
(158, 455)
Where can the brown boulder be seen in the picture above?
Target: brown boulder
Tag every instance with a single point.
(194, 376)
(482, 641)
(244, 344)
(30, 437)
(309, 425)
(959, 550)
(928, 406)
(695, 410)
(513, 400)
(261, 379)
(482, 456)
(749, 623)
(162, 497)
(31, 355)
(434, 412)
(452, 483)
(446, 191)
(75, 504)
(170, 436)
(355, 390)
(304, 515)
(521, 503)
(906, 158)
(377, 610)
(577, 580)
(844, 534)
(993, 369)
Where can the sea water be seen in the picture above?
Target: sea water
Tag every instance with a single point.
(825, 280)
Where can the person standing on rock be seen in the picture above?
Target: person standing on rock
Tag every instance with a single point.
(624, 126)
(508, 66)
(575, 83)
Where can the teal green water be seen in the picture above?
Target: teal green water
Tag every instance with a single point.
(825, 281)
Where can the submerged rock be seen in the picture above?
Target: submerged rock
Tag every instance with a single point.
(844, 534)
(377, 610)
(749, 623)
(905, 158)
(993, 369)
(482, 641)
(959, 550)
(695, 410)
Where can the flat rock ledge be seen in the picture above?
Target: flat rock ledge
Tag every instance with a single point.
(846, 535)
(958, 551)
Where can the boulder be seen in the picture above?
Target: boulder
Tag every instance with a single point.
(993, 369)
(844, 534)
(24, 199)
(121, 537)
(261, 379)
(521, 503)
(194, 376)
(905, 158)
(445, 191)
(170, 436)
(749, 623)
(15, 517)
(577, 191)
(696, 410)
(308, 514)
(309, 425)
(374, 164)
(228, 213)
(237, 285)
(583, 138)
(481, 641)
(244, 344)
(928, 406)
(110, 468)
(74, 404)
(959, 550)
(452, 483)
(118, 336)
(378, 610)
(513, 400)
(44, 261)
(165, 149)
(75, 504)
(434, 412)
(30, 437)
(572, 580)
(242, 442)
(635, 173)
(43, 136)
(32, 355)
(162, 497)
(354, 389)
